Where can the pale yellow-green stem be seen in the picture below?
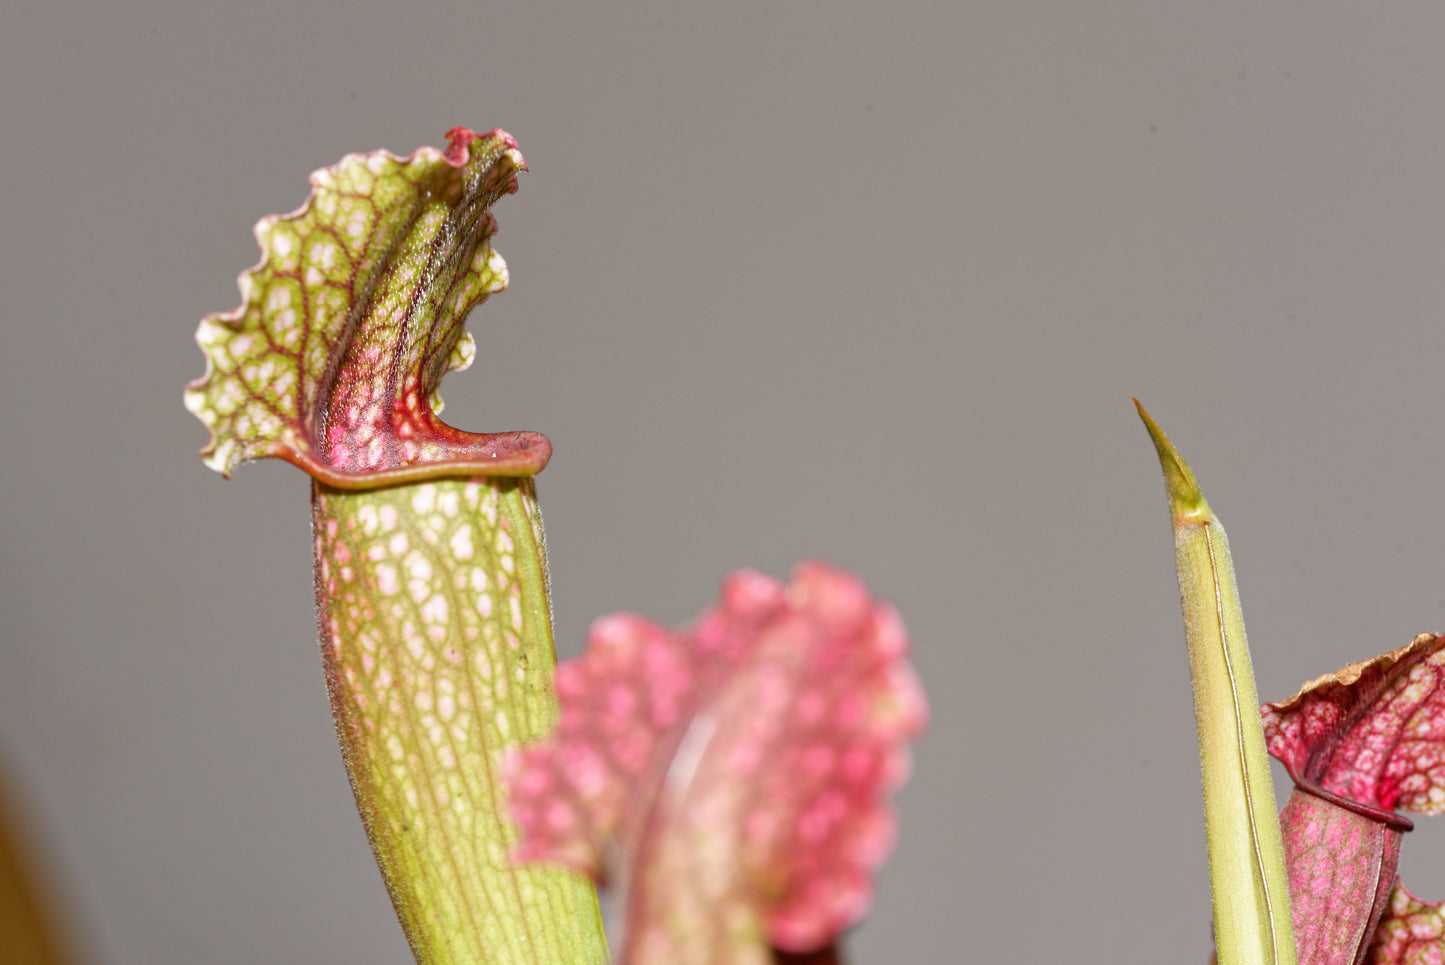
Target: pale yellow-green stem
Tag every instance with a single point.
(1252, 923)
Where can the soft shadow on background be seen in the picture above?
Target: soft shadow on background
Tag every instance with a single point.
(872, 283)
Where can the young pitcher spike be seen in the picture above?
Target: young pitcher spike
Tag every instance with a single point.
(1252, 919)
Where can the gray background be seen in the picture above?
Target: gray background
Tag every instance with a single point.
(867, 282)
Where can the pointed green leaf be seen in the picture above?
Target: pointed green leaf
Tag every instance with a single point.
(1252, 921)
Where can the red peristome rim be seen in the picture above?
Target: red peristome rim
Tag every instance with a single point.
(1390, 819)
